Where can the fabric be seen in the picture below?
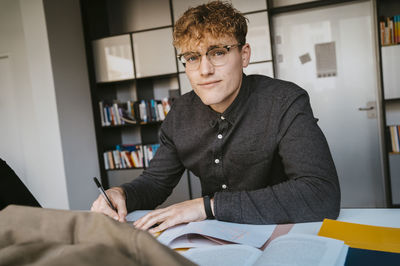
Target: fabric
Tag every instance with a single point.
(265, 160)
(36, 236)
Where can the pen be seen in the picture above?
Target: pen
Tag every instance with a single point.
(103, 193)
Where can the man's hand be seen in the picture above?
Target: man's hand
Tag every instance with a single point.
(117, 198)
(184, 212)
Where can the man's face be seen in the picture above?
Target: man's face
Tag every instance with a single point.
(218, 86)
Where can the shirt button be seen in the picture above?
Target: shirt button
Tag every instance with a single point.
(216, 161)
(219, 136)
(224, 186)
(222, 118)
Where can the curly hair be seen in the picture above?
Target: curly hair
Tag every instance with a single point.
(216, 18)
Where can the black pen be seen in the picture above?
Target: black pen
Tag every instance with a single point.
(103, 193)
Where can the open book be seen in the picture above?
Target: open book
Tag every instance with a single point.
(289, 249)
(211, 233)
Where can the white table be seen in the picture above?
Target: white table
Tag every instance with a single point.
(378, 217)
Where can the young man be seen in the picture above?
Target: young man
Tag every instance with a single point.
(252, 140)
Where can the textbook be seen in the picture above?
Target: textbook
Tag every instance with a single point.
(289, 249)
(211, 233)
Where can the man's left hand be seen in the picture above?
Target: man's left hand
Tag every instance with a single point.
(183, 212)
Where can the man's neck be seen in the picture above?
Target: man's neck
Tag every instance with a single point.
(221, 107)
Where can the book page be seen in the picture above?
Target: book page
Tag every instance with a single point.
(225, 255)
(192, 241)
(247, 234)
(136, 215)
(301, 249)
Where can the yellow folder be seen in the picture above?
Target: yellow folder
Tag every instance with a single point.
(362, 236)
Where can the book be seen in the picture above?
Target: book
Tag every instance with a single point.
(389, 29)
(289, 249)
(129, 156)
(382, 32)
(106, 164)
(111, 160)
(292, 249)
(362, 236)
(143, 111)
(398, 28)
(394, 138)
(211, 233)
(358, 256)
(160, 111)
(180, 236)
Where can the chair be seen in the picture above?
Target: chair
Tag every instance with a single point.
(13, 190)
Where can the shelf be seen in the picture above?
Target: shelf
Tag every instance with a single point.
(389, 45)
(122, 81)
(394, 153)
(113, 59)
(135, 124)
(392, 100)
(391, 70)
(122, 169)
(115, 82)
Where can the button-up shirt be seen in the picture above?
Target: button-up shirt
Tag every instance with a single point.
(264, 159)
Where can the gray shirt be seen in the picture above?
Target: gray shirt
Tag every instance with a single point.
(264, 160)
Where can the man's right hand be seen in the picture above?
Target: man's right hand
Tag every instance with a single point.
(117, 198)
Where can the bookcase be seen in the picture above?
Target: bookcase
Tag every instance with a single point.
(131, 58)
(131, 61)
(388, 11)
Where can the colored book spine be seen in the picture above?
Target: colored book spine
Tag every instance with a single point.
(396, 130)
(382, 32)
(111, 160)
(398, 28)
(392, 138)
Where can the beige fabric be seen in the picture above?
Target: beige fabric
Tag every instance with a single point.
(38, 236)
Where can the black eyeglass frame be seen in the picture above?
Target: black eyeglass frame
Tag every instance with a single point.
(227, 47)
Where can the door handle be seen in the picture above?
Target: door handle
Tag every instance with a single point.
(369, 108)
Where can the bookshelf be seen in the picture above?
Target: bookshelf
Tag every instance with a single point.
(124, 49)
(389, 44)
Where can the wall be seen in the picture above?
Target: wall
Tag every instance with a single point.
(24, 39)
(50, 116)
(78, 140)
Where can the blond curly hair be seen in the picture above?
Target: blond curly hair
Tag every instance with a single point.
(216, 19)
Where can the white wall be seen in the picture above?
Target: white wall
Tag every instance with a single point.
(67, 50)
(51, 118)
(24, 39)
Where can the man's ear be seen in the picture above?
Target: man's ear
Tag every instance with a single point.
(246, 52)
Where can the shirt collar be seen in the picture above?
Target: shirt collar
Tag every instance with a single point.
(231, 113)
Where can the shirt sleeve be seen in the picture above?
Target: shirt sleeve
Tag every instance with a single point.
(311, 192)
(156, 182)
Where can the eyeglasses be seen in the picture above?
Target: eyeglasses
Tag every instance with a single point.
(216, 55)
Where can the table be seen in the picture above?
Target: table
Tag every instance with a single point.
(379, 217)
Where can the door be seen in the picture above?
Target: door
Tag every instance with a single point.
(330, 52)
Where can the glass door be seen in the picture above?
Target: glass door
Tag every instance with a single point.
(330, 52)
